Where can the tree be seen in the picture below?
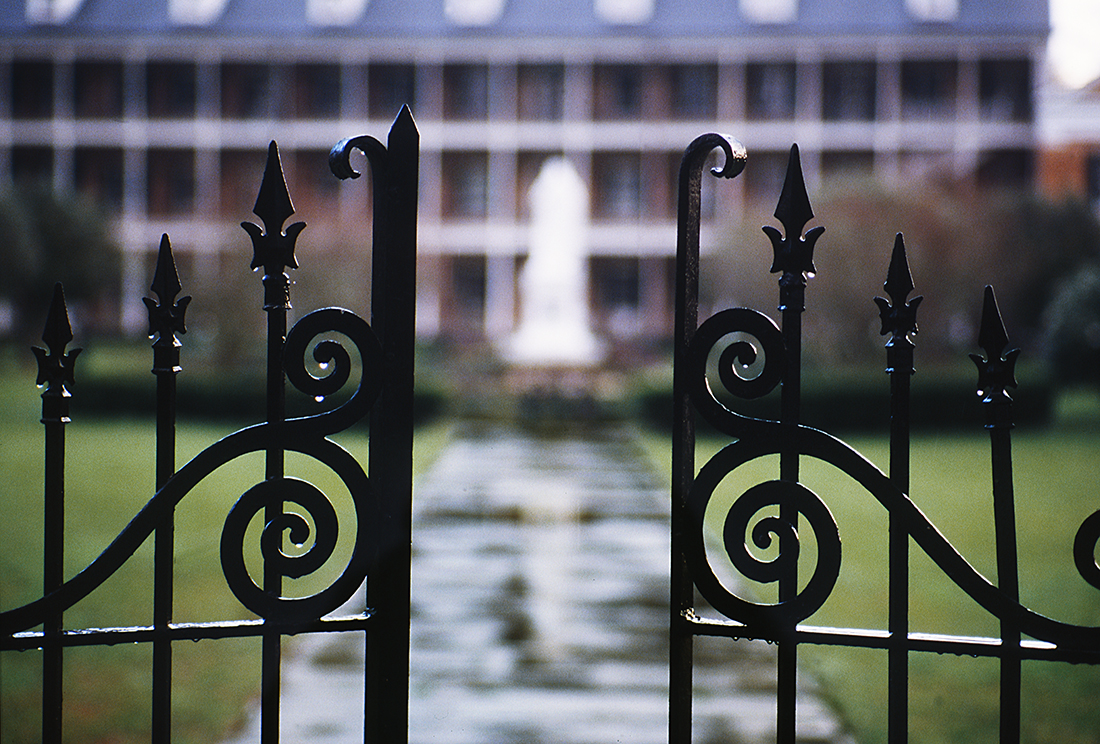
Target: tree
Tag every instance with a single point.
(51, 237)
(958, 239)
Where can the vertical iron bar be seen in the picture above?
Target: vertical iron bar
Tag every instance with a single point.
(166, 319)
(393, 317)
(683, 450)
(273, 251)
(794, 262)
(55, 373)
(791, 305)
(996, 373)
(1007, 578)
(53, 565)
(681, 593)
(276, 301)
(899, 319)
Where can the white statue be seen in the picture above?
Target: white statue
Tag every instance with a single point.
(554, 326)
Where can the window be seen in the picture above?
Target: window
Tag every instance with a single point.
(769, 11)
(1005, 169)
(625, 11)
(928, 89)
(473, 12)
(618, 185)
(465, 184)
(1005, 89)
(617, 296)
(933, 10)
(312, 180)
(31, 165)
(541, 91)
(97, 172)
(170, 182)
(617, 91)
(465, 91)
(316, 91)
(615, 283)
(390, 88)
(466, 308)
(240, 171)
(97, 90)
(170, 90)
(246, 91)
(763, 176)
(31, 90)
(848, 91)
(770, 90)
(694, 91)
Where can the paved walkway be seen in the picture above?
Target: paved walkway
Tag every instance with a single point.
(540, 597)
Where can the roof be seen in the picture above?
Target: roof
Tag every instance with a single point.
(517, 18)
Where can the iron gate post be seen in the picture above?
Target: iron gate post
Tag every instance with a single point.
(395, 181)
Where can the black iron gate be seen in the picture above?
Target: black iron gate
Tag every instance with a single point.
(752, 355)
(382, 501)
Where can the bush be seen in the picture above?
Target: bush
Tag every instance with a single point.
(850, 403)
(1073, 328)
(958, 239)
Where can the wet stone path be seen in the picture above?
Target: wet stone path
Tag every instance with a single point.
(540, 596)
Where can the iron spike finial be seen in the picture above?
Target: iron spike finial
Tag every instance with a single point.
(56, 367)
(898, 315)
(273, 248)
(166, 314)
(794, 254)
(997, 370)
(793, 209)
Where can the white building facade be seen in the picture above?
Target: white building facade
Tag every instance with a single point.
(163, 111)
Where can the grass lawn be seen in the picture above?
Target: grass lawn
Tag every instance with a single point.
(953, 699)
(109, 478)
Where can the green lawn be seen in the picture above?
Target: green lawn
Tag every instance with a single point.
(109, 478)
(955, 699)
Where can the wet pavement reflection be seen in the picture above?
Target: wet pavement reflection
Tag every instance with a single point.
(540, 611)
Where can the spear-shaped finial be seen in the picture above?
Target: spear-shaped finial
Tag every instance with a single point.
(794, 254)
(997, 370)
(56, 366)
(166, 315)
(272, 248)
(898, 315)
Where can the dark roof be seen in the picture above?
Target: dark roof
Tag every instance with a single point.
(533, 18)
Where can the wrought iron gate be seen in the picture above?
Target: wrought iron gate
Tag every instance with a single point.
(753, 356)
(382, 501)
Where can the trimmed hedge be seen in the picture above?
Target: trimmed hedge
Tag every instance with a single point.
(862, 404)
(232, 397)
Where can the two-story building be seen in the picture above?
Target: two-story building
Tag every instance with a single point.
(163, 110)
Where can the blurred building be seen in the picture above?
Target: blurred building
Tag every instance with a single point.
(1068, 164)
(163, 110)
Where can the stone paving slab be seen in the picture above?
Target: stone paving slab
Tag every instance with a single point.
(540, 596)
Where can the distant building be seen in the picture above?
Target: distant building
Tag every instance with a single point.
(163, 110)
(1069, 154)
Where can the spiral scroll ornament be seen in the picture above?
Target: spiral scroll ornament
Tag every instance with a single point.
(333, 357)
(336, 362)
(750, 363)
(321, 539)
(739, 527)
